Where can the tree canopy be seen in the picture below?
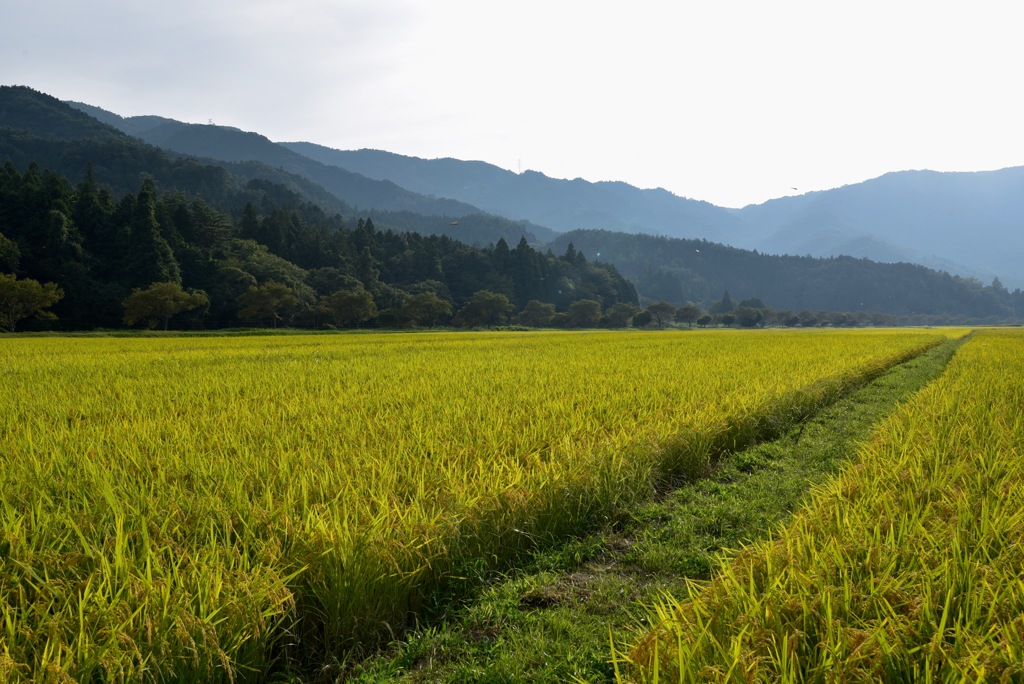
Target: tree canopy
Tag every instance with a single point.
(662, 312)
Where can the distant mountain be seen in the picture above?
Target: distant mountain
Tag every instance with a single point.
(964, 223)
(968, 224)
(678, 271)
(363, 194)
(25, 109)
(223, 143)
(532, 196)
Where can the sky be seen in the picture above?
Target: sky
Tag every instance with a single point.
(732, 101)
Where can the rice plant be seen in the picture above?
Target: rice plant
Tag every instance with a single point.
(218, 509)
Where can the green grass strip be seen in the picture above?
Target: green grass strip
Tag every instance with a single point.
(551, 620)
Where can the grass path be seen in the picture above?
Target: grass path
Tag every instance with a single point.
(552, 620)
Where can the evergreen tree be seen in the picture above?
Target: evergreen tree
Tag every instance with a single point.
(723, 305)
(149, 259)
(249, 223)
(10, 255)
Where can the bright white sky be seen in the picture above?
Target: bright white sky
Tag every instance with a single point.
(729, 101)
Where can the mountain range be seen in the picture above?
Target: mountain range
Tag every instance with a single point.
(957, 223)
(970, 224)
(360, 192)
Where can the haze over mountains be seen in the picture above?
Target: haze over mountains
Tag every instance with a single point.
(304, 210)
(965, 223)
(969, 224)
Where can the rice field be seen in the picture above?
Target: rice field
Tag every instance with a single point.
(224, 509)
(909, 567)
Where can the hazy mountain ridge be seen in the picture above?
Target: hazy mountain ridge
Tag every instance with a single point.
(561, 204)
(968, 223)
(827, 220)
(226, 144)
(964, 223)
(229, 145)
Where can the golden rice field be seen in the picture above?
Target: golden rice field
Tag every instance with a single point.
(909, 567)
(221, 508)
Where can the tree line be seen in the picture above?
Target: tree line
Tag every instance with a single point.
(171, 260)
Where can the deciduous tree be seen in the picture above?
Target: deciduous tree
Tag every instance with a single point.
(160, 302)
(426, 308)
(748, 317)
(536, 314)
(350, 307)
(485, 309)
(270, 301)
(642, 319)
(21, 299)
(662, 312)
(584, 313)
(687, 313)
(618, 314)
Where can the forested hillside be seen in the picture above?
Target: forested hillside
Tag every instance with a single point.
(679, 270)
(271, 264)
(101, 214)
(39, 129)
